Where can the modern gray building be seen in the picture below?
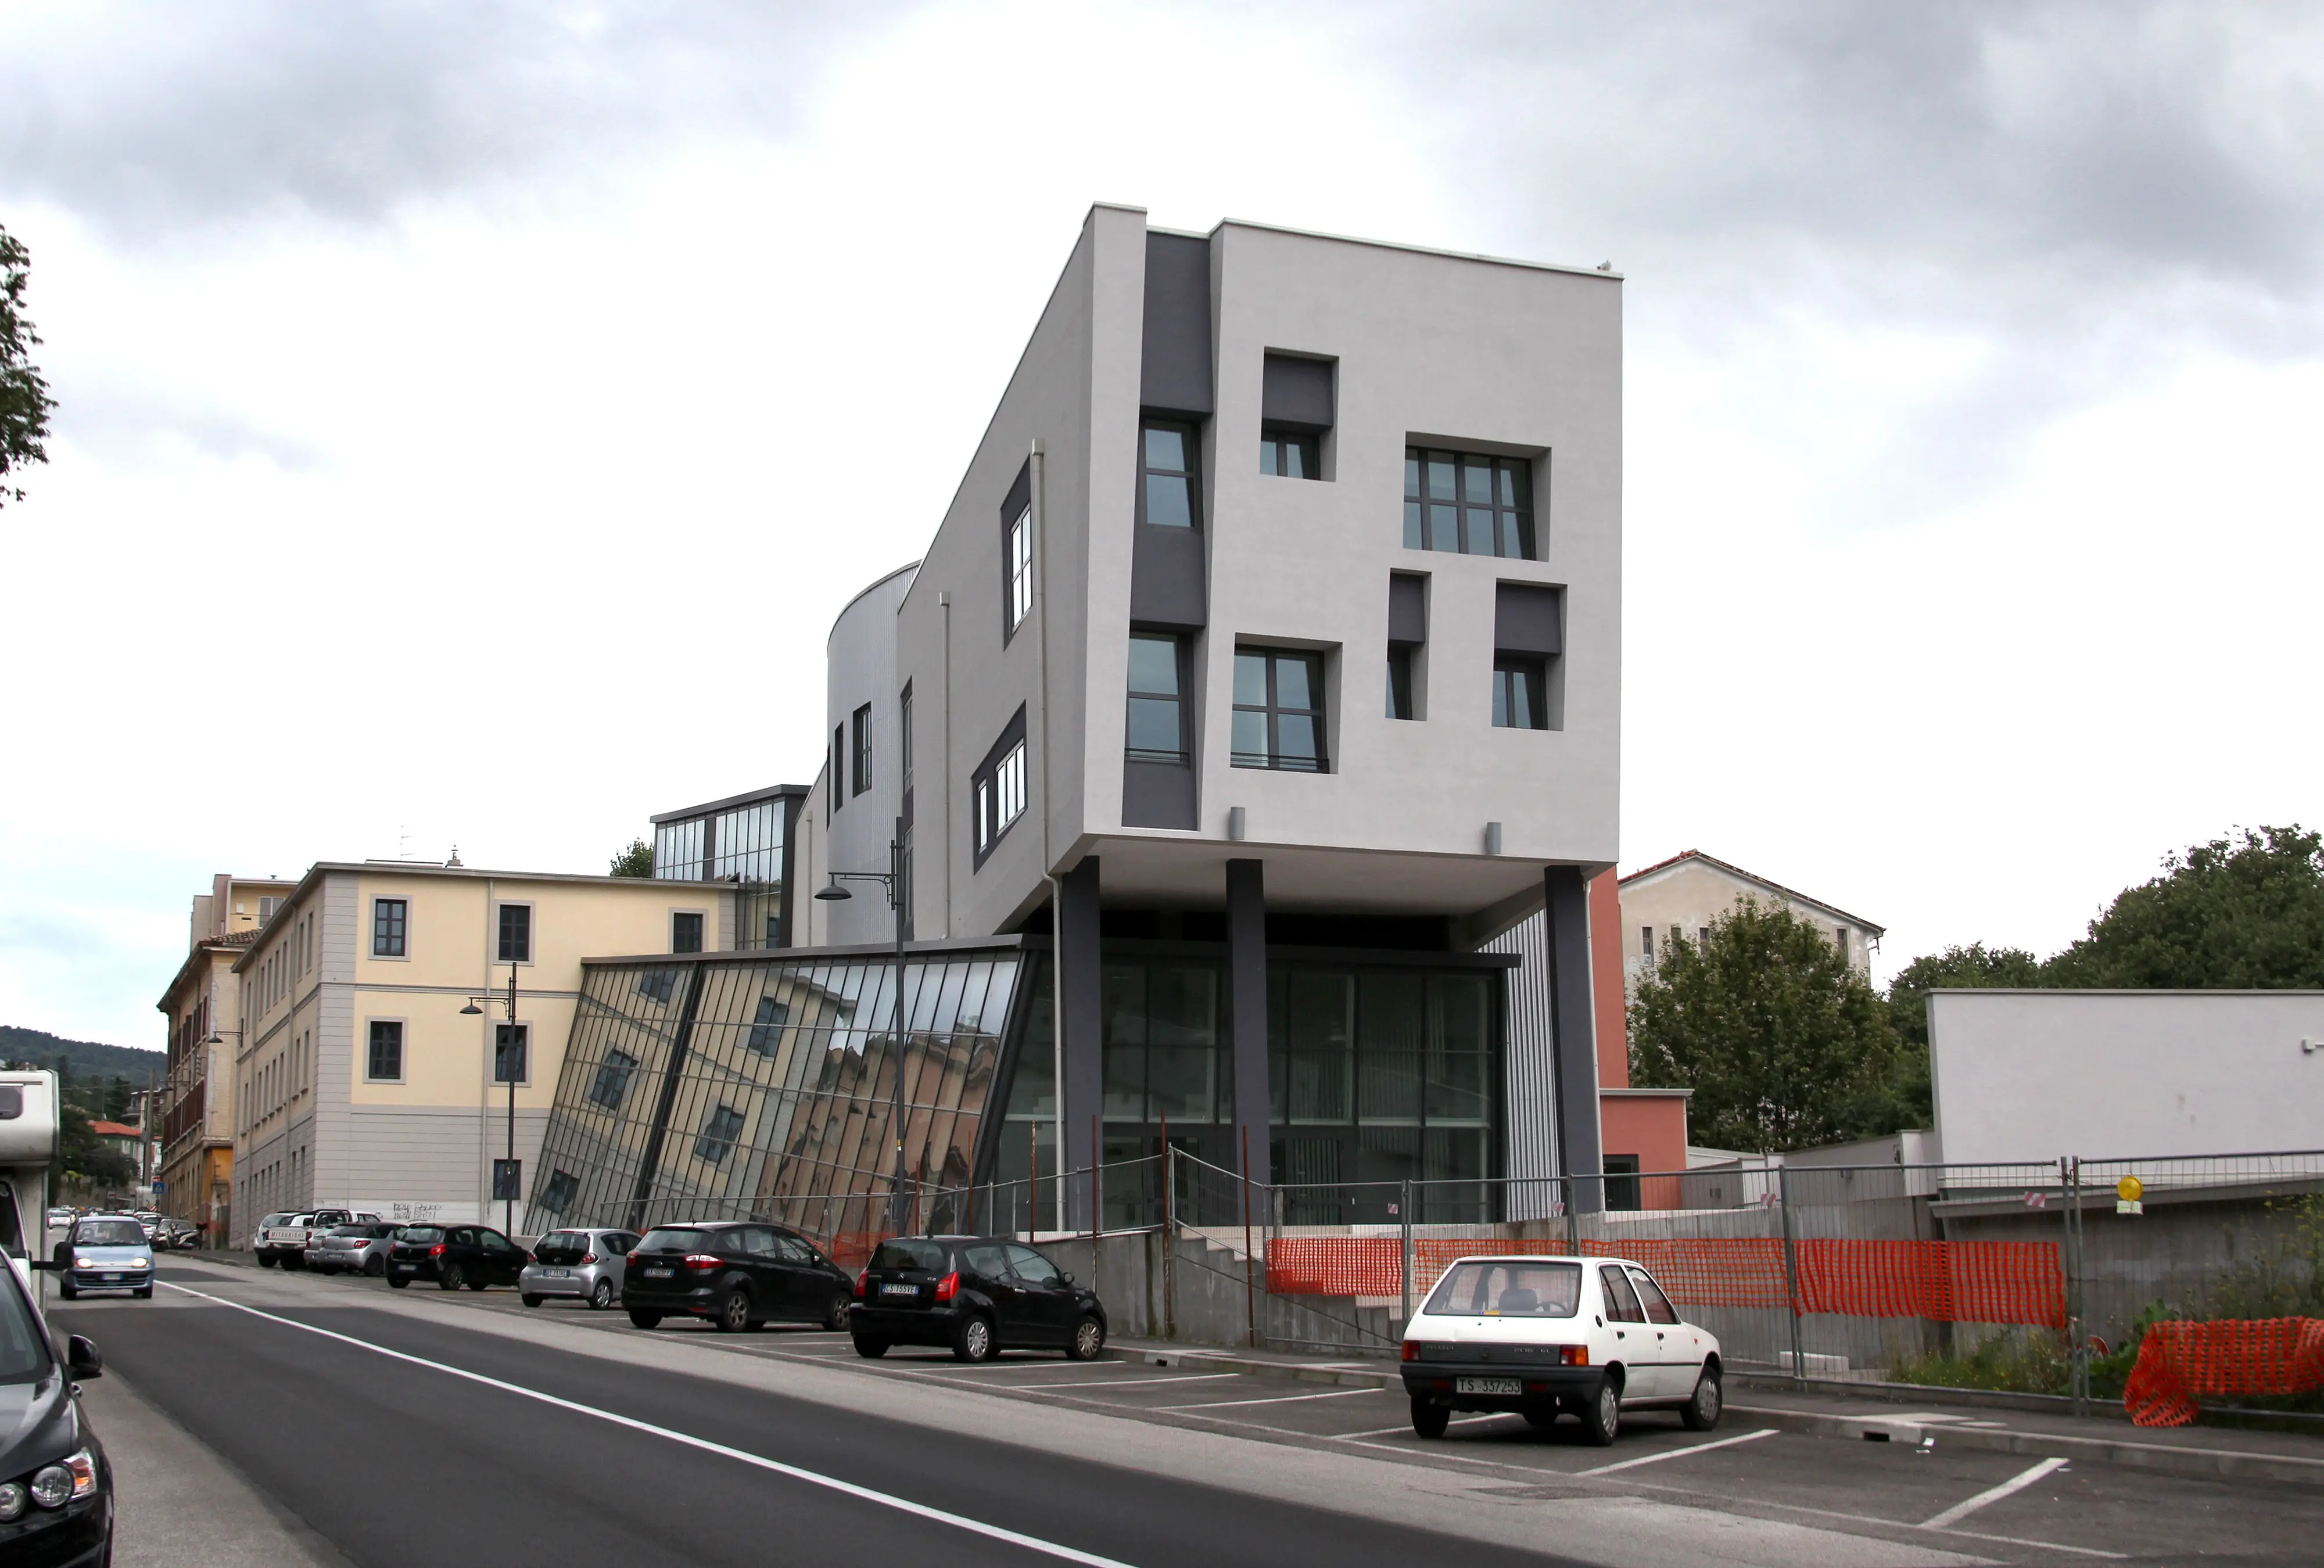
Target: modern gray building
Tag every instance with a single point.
(1261, 682)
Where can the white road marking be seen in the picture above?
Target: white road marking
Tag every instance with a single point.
(1270, 1399)
(833, 1483)
(1107, 1383)
(2016, 1483)
(1680, 1453)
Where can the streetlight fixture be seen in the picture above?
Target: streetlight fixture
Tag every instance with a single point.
(504, 1171)
(892, 880)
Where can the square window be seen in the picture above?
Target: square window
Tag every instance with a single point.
(1278, 717)
(389, 920)
(1520, 694)
(767, 1026)
(516, 933)
(384, 1054)
(556, 1196)
(1288, 456)
(612, 1081)
(686, 932)
(719, 1131)
(658, 984)
(1468, 503)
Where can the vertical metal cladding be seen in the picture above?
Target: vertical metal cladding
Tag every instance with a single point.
(1532, 1065)
(772, 1096)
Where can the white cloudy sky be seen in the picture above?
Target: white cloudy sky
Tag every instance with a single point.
(472, 415)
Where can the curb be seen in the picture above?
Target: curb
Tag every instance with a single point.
(2164, 1457)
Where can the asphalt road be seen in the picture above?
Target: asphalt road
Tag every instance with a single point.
(671, 1447)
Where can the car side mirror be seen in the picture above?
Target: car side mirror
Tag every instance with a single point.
(47, 1265)
(82, 1358)
(1063, 1279)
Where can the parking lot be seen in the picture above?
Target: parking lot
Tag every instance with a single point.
(1998, 1505)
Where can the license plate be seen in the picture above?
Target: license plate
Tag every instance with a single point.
(557, 1274)
(407, 1268)
(1488, 1386)
(900, 1290)
(657, 1273)
(111, 1278)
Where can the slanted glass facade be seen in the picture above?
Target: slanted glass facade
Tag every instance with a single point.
(742, 842)
(733, 1086)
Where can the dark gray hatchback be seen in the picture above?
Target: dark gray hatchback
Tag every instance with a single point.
(979, 1294)
(738, 1275)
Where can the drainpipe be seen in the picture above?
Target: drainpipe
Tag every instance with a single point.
(1048, 860)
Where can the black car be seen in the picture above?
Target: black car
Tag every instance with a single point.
(55, 1485)
(475, 1255)
(736, 1274)
(980, 1295)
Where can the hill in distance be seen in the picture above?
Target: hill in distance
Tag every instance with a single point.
(86, 1060)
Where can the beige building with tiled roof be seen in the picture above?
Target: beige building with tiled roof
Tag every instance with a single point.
(1677, 899)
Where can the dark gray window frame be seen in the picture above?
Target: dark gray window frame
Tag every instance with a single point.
(1274, 441)
(1275, 759)
(1182, 755)
(1510, 521)
(765, 1030)
(860, 727)
(613, 1076)
(502, 930)
(677, 919)
(401, 932)
(980, 782)
(523, 1032)
(1507, 667)
(1016, 506)
(719, 1138)
(403, 1036)
(1192, 431)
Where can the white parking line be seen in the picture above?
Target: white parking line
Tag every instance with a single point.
(1681, 1453)
(849, 1488)
(2016, 1483)
(1271, 1399)
(1109, 1383)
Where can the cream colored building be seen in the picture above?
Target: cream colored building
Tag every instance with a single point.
(201, 1006)
(373, 1011)
(1677, 899)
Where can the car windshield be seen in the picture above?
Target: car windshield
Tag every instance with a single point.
(423, 1234)
(927, 1255)
(1508, 1291)
(109, 1233)
(272, 1220)
(672, 1238)
(23, 1348)
(366, 1231)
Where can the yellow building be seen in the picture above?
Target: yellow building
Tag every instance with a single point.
(197, 1097)
(376, 1057)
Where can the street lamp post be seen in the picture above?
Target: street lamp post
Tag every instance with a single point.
(891, 879)
(507, 1182)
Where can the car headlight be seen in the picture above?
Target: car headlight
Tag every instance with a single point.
(52, 1486)
(13, 1501)
(84, 1262)
(141, 1263)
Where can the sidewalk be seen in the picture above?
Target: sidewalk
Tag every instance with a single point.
(2199, 1451)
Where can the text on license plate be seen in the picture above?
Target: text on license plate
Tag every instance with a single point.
(409, 1268)
(657, 1274)
(558, 1273)
(1488, 1386)
(900, 1290)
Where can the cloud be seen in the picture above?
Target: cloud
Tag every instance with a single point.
(151, 120)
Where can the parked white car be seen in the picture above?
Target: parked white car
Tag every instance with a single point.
(283, 1238)
(1544, 1336)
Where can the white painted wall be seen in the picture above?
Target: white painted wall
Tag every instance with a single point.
(2035, 1074)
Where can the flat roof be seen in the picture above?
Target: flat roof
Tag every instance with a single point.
(748, 798)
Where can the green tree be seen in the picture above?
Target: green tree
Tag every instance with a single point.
(637, 860)
(1784, 1044)
(24, 400)
(1955, 969)
(2246, 911)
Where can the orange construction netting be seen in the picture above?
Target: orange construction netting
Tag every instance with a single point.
(2003, 1282)
(2180, 1363)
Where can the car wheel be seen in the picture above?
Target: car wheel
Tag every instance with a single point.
(375, 1268)
(1602, 1417)
(66, 1289)
(835, 1318)
(529, 1300)
(870, 1349)
(603, 1296)
(399, 1283)
(733, 1311)
(645, 1319)
(264, 1261)
(479, 1284)
(146, 1294)
(972, 1339)
(1089, 1339)
(1701, 1412)
(452, 1277)
(1429, 1420)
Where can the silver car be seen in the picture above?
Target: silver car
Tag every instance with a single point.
(357, 1249)
(585, 1264)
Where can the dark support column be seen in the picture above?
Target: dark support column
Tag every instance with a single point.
(1077, 979)
(1574, 1037)
(1247, 993)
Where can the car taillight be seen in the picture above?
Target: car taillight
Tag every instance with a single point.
(947, 1288)
(859, 1284)
(588, 1258)
(1573, 1355)
(700, 1260)
(632, 1260)
(1412, 1350)
(437, 1251)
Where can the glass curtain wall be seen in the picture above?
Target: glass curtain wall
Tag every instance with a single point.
(756, 1088)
